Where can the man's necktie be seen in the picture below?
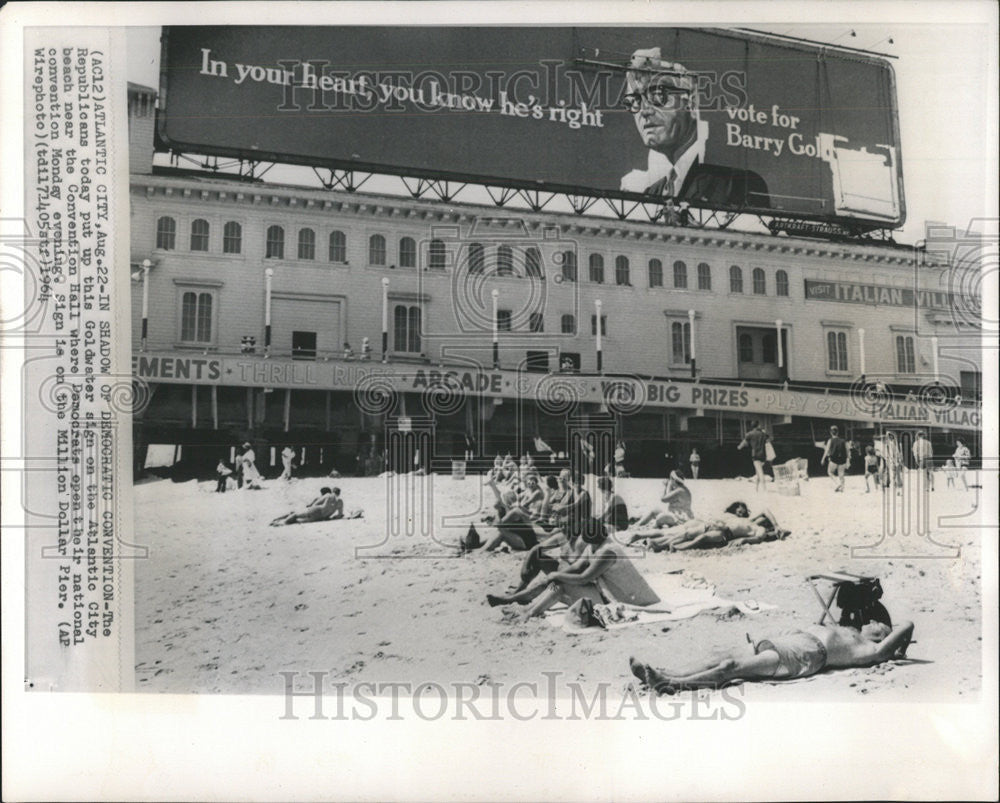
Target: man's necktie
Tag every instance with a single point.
(669, 189)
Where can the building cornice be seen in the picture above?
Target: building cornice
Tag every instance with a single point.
(292, 198)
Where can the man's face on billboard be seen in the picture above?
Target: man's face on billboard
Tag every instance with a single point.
(662, 113)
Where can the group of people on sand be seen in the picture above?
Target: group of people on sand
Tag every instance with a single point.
(571, 555)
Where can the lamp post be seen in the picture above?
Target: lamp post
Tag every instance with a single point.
(600, 354)
(861, 349)
(146, 265)
(496, 330)
(694, 356)
(385, 320)
(268, 276)
(934, 357)
(781, 351)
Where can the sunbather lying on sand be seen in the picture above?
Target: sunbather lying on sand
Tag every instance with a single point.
(732, 527)
(328, 505)
(791, 655)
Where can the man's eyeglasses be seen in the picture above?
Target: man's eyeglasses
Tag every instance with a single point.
(657, 96)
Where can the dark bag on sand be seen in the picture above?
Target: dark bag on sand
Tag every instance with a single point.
(859, 604)
(470, 540)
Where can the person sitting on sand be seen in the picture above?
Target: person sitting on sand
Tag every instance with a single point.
(734, 526)
(615, 516)
(516, 526)
(328, 505)
(797, 654)
(677, 504)
(607, 575)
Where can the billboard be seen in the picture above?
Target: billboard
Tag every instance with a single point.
(715, 118)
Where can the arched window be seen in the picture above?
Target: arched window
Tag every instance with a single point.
(746, 348)
(622, 270)
(781, 283)
(437, 255)
(759, 282)
(735, 279)
(680, 275)
(275, 245)
(199, 235)
(505, 261)
(477, 258)
(407, 252)
(376, 250)
(569, 266)
(704, 276)
(906, 362)
(307, 244)
(232, 238)
(596, 268)
(567, 325)
(655, 273)
(166, 233)
(338, 246)
(533, 263)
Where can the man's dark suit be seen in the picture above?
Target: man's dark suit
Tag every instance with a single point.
(714, 185)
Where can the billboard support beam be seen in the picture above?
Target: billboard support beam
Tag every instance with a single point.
(341, 179)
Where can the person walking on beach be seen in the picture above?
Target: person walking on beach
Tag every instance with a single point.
(872, 468)
(251, 476)
(962, 458)
(835, 453)
(757, 440)
(695, 461)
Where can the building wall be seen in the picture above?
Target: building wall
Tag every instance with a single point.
(456, 311)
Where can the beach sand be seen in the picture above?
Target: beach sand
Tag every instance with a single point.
(224, 603)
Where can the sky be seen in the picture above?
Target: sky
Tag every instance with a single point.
(947, 95)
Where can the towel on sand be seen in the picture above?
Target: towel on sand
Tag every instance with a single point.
(682, 596)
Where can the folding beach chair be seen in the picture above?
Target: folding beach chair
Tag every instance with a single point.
(786, 477)
(856, 595)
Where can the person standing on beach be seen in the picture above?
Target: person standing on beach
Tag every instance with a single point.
(287, 455)
(923, 455)
(835, 453)
(695, 461)
(757, 440)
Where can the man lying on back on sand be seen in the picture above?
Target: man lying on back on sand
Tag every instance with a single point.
(796, 654)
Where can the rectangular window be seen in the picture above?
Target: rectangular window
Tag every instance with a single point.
(406, 329)
(503, 320)
(604, 325)
(836, 351)
(303, 345)
(196, 317)
(906, 362)
(569, 361)
(680, 342)
(536, 322)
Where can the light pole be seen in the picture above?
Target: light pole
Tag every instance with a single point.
(861, 349)
(385, 319)
(694, 355)
(268, 276)
(600, 354)
(496, 330)
(146, 265)
(934, 356)
(781, 351)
